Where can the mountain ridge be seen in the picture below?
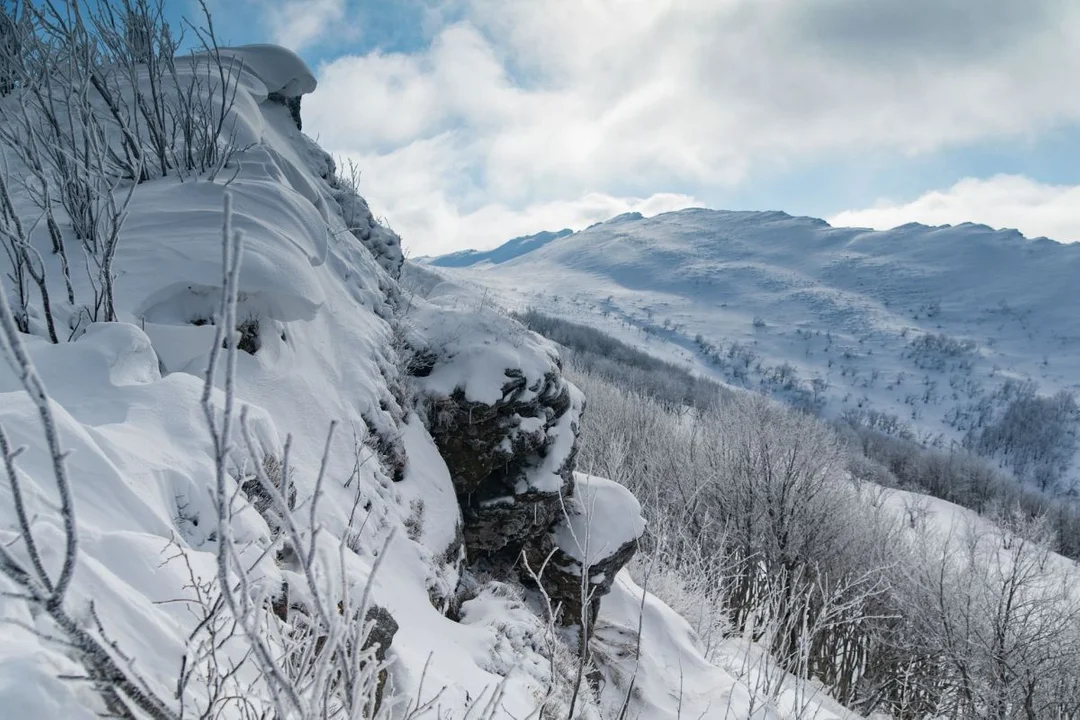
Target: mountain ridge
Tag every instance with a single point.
(507, 251)
(845, 317)
(514, 248)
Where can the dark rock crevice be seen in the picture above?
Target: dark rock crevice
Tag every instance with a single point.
(497, 454)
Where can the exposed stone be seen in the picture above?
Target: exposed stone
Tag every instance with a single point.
(478, 440)
(508, 522)
(494, 452)
(562, 578)
(381, 635)
(293, 103)
(510, 442)
(382, 631)
(595, 537)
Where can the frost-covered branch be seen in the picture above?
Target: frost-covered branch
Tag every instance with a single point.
(120, 687)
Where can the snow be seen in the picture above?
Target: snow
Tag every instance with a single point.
(29, 689)
(331, 318)
(482, 345)
(507, 251)
(280, 69)
(671, 676)
(601, 517)
(126, 400)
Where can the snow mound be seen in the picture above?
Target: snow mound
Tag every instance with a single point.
(601, 518)
(280, 69)
(670, 676)
(479, 345)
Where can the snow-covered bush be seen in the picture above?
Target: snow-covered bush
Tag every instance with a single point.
(957, 475)
(749, 503)
(997, 623)
(11, 47)
(97, 104)
(940, 352)
(748, 512)
(1033, 434)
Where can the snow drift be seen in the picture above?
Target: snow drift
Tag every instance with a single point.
(326, 340)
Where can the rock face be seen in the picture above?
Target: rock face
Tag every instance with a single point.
(381, 635)
(593, 539)
(508, 465)
(506, 423)
(383, 629)
(292, 103)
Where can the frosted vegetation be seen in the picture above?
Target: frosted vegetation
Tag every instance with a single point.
(255, 465)
(764, 526)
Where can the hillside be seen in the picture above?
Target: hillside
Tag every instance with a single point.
(226, 491)
(254, 464)
(505, 252)
(246, 474)
(939, 329)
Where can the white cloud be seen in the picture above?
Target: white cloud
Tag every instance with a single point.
(536, 102)
(1003, 201)
(407, 187)
(296, 24)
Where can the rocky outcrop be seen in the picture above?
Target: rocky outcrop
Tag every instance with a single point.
(594, 538)
(506, 423)
(293, 105)
(503, 417)
(511, 460)
(383, 627)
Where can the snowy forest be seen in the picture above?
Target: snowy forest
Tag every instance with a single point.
(256, 464)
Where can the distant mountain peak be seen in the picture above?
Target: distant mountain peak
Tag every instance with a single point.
(507, 251)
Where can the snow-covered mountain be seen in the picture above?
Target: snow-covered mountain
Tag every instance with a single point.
(254, 464)
(507, 251)
(927, 324)
(244, 474)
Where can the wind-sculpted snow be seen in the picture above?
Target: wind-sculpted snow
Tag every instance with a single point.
(321, 321)
(604, 517)
(280, 70)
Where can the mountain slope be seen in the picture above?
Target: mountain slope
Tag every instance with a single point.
(362, 518)
(391, 458)
(505, 252)
(923, 323)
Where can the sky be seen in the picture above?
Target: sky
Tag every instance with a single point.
(475, 121)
